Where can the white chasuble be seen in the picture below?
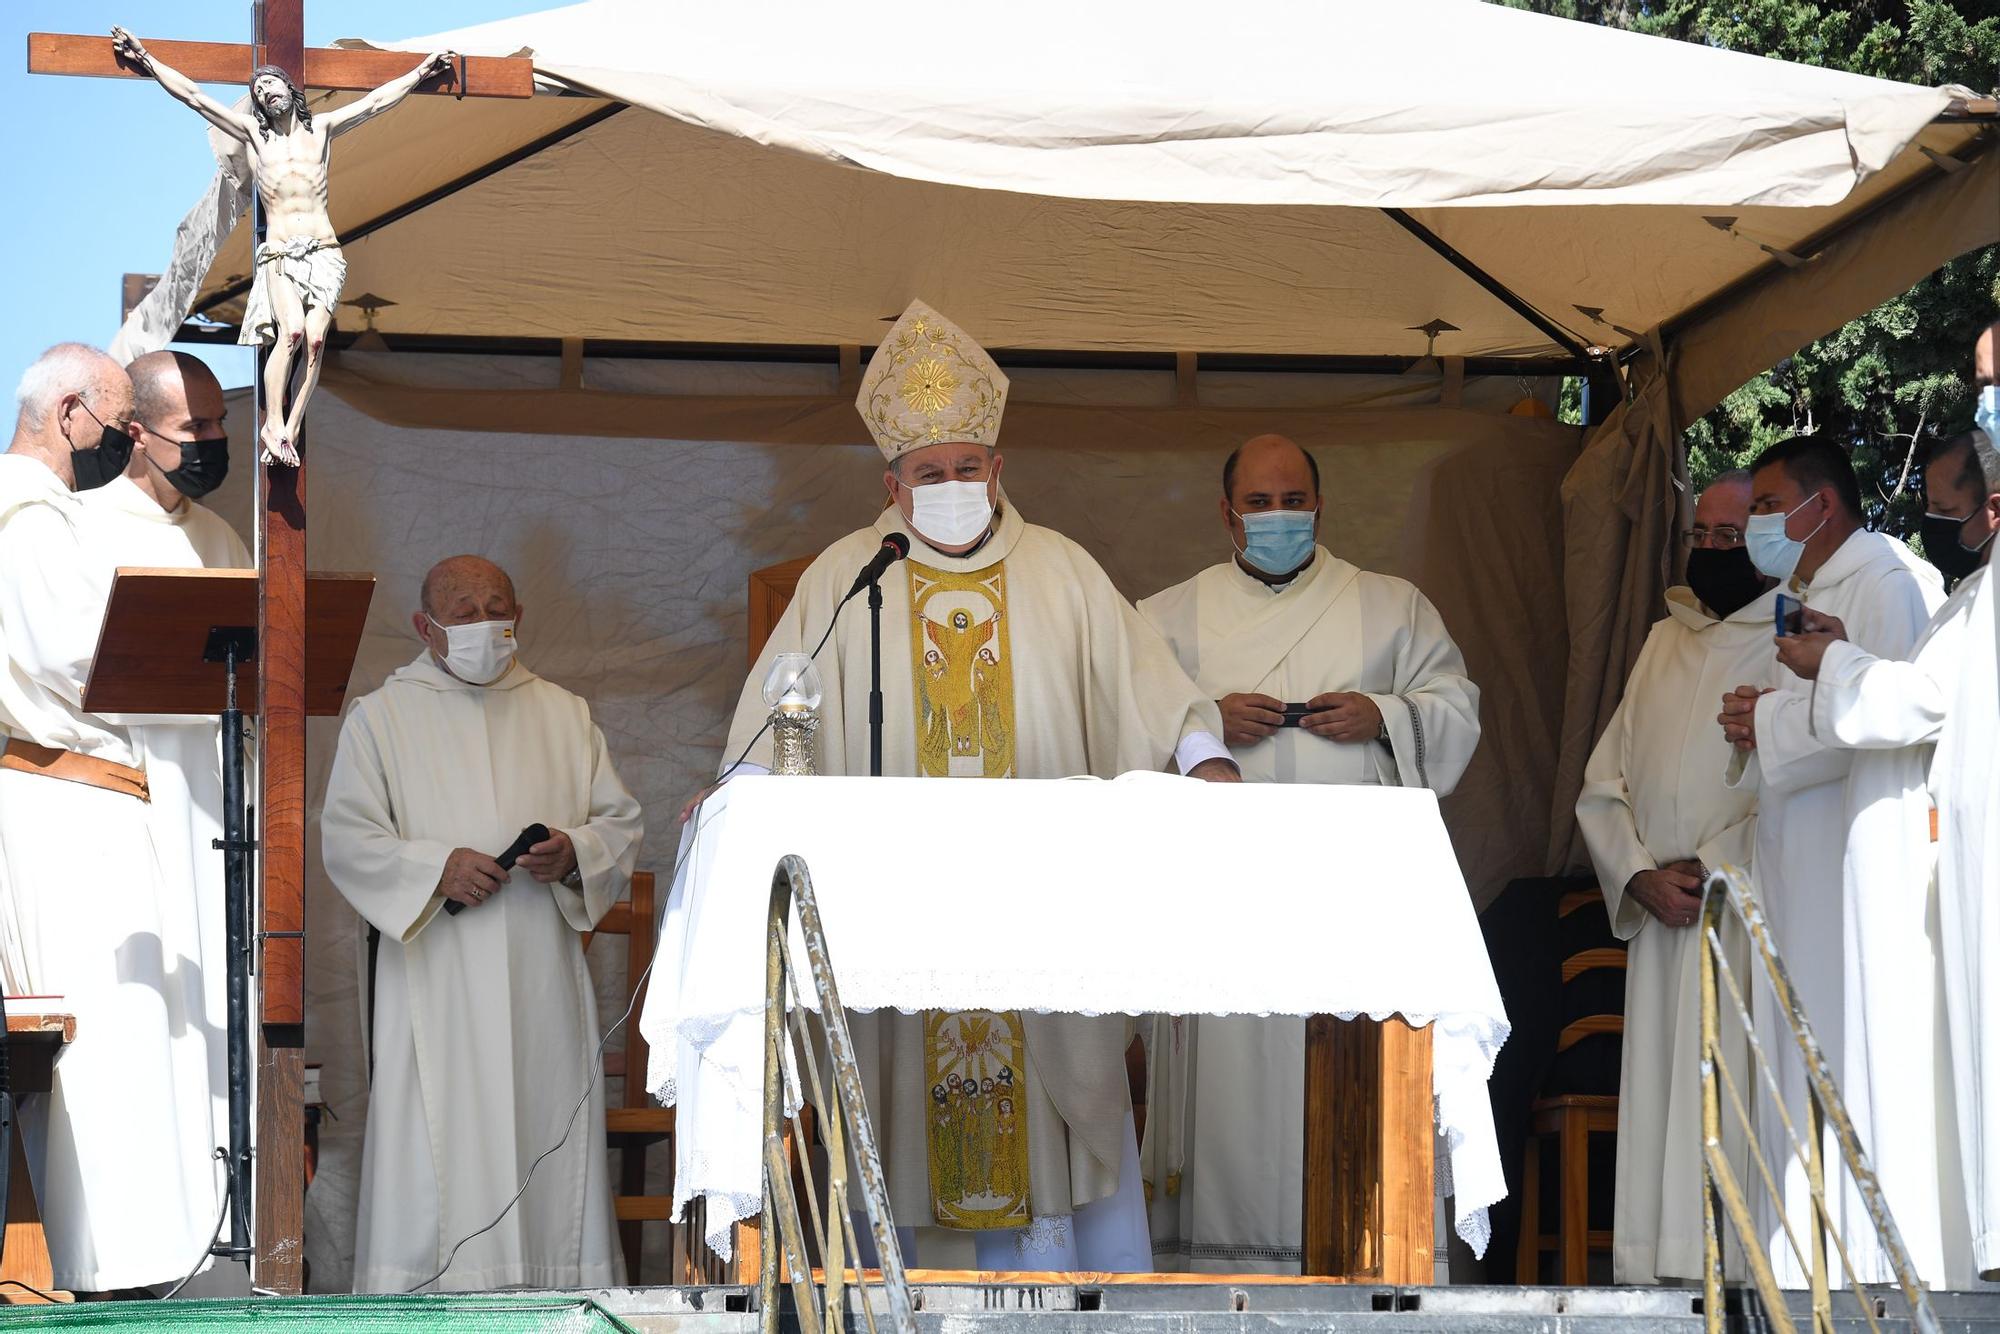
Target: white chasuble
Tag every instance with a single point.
(182, 757)
(1225, 1117)
(1968, 887)
(122, 1148)
(1884, 595)
(1895, 1078)
(1651, 796)
(485, 1027)
(1018, 659)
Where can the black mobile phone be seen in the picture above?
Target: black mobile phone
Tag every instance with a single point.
(1788, 615)
(1294, 714)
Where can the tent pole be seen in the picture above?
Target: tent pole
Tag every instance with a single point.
(1556, 334)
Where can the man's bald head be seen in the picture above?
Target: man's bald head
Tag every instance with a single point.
(1266, 461)
(1986, 356)
(461, 589)
(176, 395)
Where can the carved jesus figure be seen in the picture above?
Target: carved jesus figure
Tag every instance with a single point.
(299, 268)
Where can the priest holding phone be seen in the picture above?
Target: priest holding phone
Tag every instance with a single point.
(1325, 673)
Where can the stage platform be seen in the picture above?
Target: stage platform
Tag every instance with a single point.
(1140, 1307)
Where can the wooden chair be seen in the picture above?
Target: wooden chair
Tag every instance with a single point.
(1571, 1118)
(636, 1126)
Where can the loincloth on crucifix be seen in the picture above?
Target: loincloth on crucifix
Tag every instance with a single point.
(314, 267)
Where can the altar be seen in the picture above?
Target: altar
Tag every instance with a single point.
(1147, 894)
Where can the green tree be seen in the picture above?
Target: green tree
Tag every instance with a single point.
(1900, 375)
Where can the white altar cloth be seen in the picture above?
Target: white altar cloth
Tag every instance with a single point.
(1148, 894)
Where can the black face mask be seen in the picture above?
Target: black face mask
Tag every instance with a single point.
(1943, 549)
(204, 463)
(1724, 580)
(95, 467)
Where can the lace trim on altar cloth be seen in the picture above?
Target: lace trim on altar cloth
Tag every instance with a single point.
(1048, 1232)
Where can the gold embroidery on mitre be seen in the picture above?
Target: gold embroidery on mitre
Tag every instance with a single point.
(977, 1131)
(930, 383)
(964, 672)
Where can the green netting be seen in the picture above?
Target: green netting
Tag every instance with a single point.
(479, 1314)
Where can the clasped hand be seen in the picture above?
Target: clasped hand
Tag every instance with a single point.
(471, 877)
(1337, 715)
(1739, 716)
(1672, 894)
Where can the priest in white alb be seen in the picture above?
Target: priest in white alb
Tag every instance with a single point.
(150, 517)
(1890, 713)
(485, 1024)
(1284, 622)
(1805, 530)
(123, 1147)
(1968, 806)
(1656, 818)
(1006, 653)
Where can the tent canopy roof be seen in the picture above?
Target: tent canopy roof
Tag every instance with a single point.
(1302, 178)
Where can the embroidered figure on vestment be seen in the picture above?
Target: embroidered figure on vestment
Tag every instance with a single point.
(978, 1137)
(964, 673)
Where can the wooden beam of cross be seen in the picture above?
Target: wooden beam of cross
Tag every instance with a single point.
(278, 1212)
(325, 67)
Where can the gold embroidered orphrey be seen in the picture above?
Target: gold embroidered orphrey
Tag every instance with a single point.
(929, 384)
(964, 672)
(973, 1065)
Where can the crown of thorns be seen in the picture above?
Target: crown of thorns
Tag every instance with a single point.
(299, 110)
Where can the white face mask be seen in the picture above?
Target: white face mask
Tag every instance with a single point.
(479, 653)
(950, 514)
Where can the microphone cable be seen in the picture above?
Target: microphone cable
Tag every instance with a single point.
(590, 1085)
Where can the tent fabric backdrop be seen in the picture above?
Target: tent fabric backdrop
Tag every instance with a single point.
(632, 558)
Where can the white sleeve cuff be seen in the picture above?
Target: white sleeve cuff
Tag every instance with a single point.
(747, 769)
(1197, 748)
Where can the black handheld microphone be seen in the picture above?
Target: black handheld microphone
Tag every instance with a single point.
(894, 547)
(533, 834)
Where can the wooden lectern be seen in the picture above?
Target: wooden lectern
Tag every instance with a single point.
(181, 642)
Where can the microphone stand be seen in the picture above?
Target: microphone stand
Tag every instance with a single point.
(875, 677)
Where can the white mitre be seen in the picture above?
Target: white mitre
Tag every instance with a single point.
(930, 384)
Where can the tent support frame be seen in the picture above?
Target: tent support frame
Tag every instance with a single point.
(1506, 295)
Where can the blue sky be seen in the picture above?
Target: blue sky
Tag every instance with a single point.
(100, 170)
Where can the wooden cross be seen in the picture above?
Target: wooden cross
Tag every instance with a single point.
(278, 1212)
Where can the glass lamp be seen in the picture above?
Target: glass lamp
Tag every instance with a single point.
(792, 691)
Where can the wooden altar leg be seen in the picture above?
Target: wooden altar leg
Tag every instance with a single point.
(747, 1261)
(27, 1248)
(1368, 1135)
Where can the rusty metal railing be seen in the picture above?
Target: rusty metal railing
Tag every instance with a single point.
(1728, 891)
(844, 1114)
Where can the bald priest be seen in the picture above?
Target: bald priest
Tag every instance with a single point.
(1006, 653)
(485, 1039)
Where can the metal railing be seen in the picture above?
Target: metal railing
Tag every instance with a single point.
(1728, 891)
(784, 1239)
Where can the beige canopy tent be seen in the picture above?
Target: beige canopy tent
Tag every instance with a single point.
(610, 334)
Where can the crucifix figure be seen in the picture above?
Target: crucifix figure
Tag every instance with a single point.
(299, 267)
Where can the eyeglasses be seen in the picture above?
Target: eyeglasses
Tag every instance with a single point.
(1721, 538)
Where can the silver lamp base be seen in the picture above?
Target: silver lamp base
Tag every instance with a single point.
(792, 741)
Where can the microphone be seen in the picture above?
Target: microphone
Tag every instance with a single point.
(533, 834)
(894, 547)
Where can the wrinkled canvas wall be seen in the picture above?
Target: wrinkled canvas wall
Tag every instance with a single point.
(632, 558)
